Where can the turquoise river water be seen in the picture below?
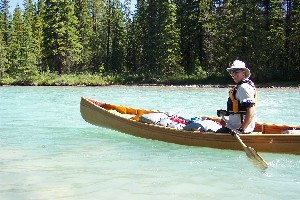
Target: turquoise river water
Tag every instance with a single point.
(47, 151)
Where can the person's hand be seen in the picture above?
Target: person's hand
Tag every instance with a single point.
(237, 131)
(221, 113)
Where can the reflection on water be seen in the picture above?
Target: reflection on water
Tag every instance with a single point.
(48, 151)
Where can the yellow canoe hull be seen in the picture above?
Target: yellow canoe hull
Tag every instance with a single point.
(268, 137)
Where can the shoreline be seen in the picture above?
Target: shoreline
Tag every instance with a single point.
(266, 86)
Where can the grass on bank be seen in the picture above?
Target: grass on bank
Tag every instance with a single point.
(88, 79)
(53, 79)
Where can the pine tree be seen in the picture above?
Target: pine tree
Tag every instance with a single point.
(15, 44)
(191, 41)
(51, 19)
(82, 11)
(68, 40)
(61, 38)
(3, 57)
(29, 59)
(146, 30)
(98, 42)
(236, 34)
(118, 39)
(5, 19)
(275, 38)
(168, 51)
(108, 41)
(108, 8)
(129, 38)
(223, 36)
(138, 30)
(132, 48)
(207, 32)
(38, 31)
(292, 42)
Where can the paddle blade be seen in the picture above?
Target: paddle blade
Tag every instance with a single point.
(256, 158)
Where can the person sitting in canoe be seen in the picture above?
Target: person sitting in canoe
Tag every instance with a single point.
(241, 101)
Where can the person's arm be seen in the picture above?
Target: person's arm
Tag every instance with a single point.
(246, 95)
(248, 117)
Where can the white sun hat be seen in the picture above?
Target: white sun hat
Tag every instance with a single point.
(237, 64)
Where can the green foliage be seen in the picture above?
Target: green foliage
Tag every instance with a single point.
(99, 34)
(54, 79)
(3, 57)
(164, 41)
(292, 47)
(38, 35)
(28, 51)
(85, 33)
(15, 45)
(168, 40)
(62, 45)
(118, 46)
(5, 20)
(70, 79)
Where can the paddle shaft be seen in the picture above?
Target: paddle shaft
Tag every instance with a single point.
(240, 140)
(250, 152)
(236, 135)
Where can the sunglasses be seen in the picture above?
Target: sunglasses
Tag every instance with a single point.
(235, 71)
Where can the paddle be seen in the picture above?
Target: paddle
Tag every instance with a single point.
(250, 152)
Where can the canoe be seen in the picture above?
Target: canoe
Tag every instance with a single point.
(265, 138)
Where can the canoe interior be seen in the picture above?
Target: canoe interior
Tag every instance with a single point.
(126, 112)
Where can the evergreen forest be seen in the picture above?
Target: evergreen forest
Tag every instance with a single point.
(160, 41)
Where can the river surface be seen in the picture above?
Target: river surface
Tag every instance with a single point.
(47, 151)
